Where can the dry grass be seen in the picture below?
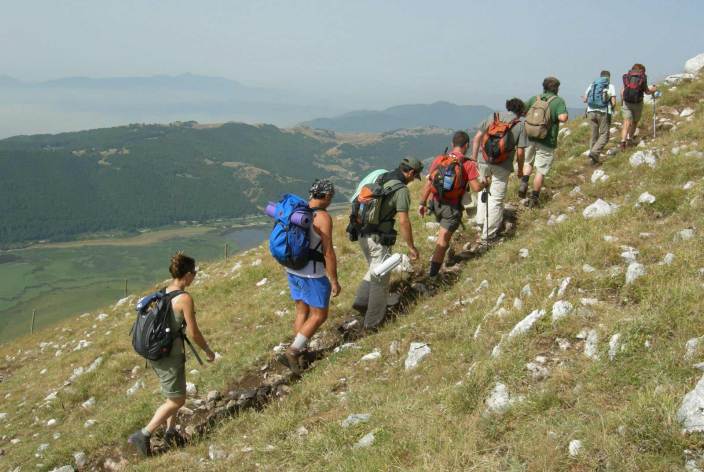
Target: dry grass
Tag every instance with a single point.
(432, 418)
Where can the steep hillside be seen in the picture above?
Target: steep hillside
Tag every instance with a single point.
(441, 114)
(60, 186)
(569, 346)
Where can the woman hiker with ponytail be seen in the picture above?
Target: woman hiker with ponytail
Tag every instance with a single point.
(171, 369)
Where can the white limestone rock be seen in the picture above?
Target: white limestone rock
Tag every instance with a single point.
(564, 283)
(688, 186)
(102, 317)
(563, 344)
(537, 371)
(694, 153)
(575, 447)
(690, 348)
(80, 459)
(646, 198)
(191, 389)
(629, 254)
(694, 65)
(598, 209)
(416, 353)
(405, 266)
(684, 235)
(691, 411)
(138, 385)
(687, 111)
(500, 400)
(51, 422)
(523, 252)
(635, 270)
(599, 176)
(355, 418)
(525, 324)
(366, 441)
(591, 345)
(586, 268)
(526, 291)
(517, 304)
(372, 356)
(262, 282)
(640, 158)
(668, 259)
(561, 309)
(614, 345)
(675, 79)
(88, 404)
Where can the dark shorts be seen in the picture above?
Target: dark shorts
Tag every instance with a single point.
(313, 292)
(448, 216)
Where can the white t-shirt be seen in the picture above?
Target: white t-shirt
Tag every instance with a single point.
(611, 91)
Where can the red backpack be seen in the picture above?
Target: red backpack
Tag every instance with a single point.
(633, 83)
(447, 179)
(498, 141)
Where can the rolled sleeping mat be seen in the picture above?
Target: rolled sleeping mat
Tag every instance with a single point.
(271, 209)
(389, 264)
(301, 218)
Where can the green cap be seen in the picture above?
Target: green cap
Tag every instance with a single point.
(414, 164)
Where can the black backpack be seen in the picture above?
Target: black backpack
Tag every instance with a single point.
(633, 83)
(152, 337)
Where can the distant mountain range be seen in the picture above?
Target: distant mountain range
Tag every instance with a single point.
(77, 103)
(57, 187)
(441, 114)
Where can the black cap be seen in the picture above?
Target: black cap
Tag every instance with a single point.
(414, 164)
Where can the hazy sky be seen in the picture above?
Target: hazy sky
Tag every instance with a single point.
(356, 53)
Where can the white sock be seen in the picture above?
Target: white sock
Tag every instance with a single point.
(299, 342)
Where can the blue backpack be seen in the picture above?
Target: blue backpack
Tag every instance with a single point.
(598, 95)
(289, 241)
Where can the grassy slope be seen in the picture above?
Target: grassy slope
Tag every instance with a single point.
(432, 418)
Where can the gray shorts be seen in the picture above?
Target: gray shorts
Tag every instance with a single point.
(448, 216)
(540, 156)
(632, 111)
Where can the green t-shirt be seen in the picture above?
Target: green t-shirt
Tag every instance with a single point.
(557, 108)
(400, 200)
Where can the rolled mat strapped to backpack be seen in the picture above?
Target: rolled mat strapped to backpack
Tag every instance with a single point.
(289, 240)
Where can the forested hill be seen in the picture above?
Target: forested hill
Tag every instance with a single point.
(61, 186)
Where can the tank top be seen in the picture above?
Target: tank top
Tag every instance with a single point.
(314, 269)
(176, 324)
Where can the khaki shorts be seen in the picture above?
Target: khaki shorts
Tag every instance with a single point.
(171, 371)
(539, 156)
(448, 216)
(632, 111)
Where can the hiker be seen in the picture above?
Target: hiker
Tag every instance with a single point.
(312, 285)
(545, 113)
(501, 137)
(635, 85)
(171, 369)
(449, 176)
(600, 98)
(387, 197)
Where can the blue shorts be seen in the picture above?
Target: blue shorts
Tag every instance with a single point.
(312, 292)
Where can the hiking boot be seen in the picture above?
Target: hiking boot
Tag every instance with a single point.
(289, 358)
(532, 203)
(595, 160)
(623, 146)
(140, 442)
(173, 438)
(522, 190)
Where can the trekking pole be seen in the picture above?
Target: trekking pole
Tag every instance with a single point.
(34, 315)
(655, 96)
(485, 201)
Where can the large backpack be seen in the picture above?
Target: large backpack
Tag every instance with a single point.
(289, 240)
(152, 336)
(366, 215)
(633, 82)
(498, 141)
(599, 93)
(539, 118)
(447, 178)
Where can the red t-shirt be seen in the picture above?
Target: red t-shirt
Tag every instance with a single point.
(469, 172)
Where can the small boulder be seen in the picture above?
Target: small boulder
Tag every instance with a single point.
(366, 441)
(575, 447)
(614, 345)
(599, 176)
(694, 153)
(416, 353)
(688, 186)
(646, 198)
(525, 324)
(687, 111)
(80, 459)
(355, 418)
(591, 345)
(262, 282)
(139, 384)
(598, 209)
(587, 268)
(691, 410)
(523, 252)
(191, 389)
(668, 259)
(684, 234)
(643, 158)
(561, 309)
(694, 65)
(88, 404)
(213, 396)
(635, 270)
(372, 356)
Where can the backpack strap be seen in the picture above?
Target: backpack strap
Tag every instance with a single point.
(388, 192)
(170, 296)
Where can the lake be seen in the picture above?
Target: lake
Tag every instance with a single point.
(67, 279)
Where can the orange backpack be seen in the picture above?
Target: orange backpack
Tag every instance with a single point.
(498, 140)
(447, 179)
